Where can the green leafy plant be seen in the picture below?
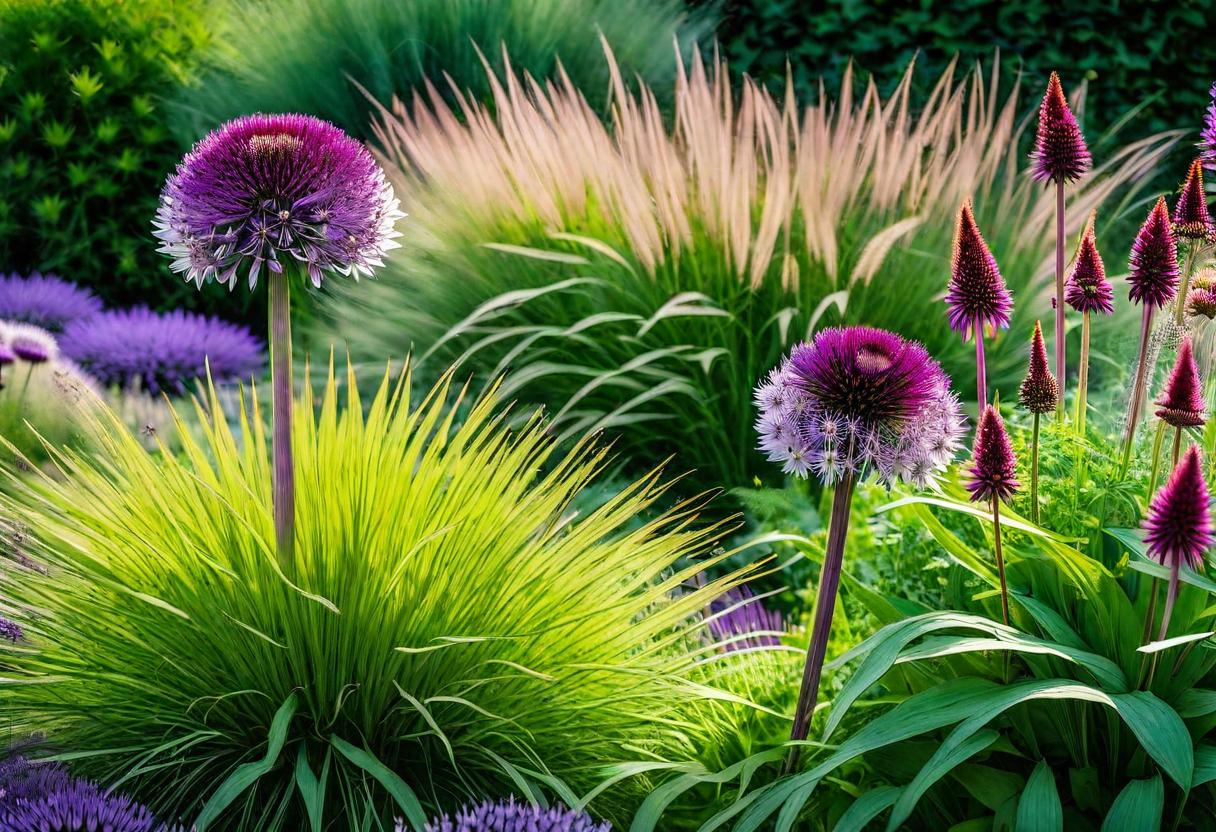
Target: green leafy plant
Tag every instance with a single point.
(639, 279)
(452, 628)
(326, 58)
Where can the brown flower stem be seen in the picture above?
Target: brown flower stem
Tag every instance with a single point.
(1133, 412)
(280, 417)
(825, 605)
(1060, 357)
(1171, 596)
(1177, 446)
(1000, 558)
(1156, 469)
(1034, 471)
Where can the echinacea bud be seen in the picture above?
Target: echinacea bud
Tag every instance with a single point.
(1039, 391)
(1087, 289)
(1059, 151)
(273, 191)
(977, 292)
(1191, 218)
(855, 400)
(1181, 403)
(1154, 260)
(1178, 526)
(994, 468)
(31, 344)
(1201, 302)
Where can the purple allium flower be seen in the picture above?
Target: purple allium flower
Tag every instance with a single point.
(1039, 390)
(509, 816)
(46, 301)
(742, 622)
(162, 351)
(1207, 138)
(1059, 151)
(1154, 260)
(977, 291)
(1087, 289)
(79, 806)
(23, 780)
(994, 468)
(1178, 526)
(1191, 219)
(855, 400)
(31, 344)
(265, 189)
(10, 631)
(1181, 402)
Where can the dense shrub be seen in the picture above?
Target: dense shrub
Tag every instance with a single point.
(84, 143)
(638, 279)
(321, 56)
(450, 626)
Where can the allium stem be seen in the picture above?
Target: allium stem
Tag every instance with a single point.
(284, 493)
(1000, 557)
(1133, 406)
(1177, 447)
(25, 386)
(1060, 356)
(1083, 376)
(1158, 438)
(1149, 618)
(1184, 286)
(1034, 471)
(825, 605)
(981, 378)
(1171, 596)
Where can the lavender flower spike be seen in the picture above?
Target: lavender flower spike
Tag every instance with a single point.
(853, 401)
(1191, 220)
(977, 295)
(1059, 153)
(993, 478)
(509, 816)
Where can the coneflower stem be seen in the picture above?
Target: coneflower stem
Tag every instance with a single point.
(1177, 446)
(1156, 469)
(1171, 596)
(1184, 286)
(981, 378)
(1000, 558)
(825, 605)
(1133, 408)
(1083, 375)
(1034, 471)
(1060, 357)
(284, 492)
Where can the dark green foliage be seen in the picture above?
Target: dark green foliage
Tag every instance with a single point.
(84, 146)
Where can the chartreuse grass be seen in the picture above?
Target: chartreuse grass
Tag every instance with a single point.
(452, 629)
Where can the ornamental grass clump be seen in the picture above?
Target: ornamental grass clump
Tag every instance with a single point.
(294, 196)
(46, 301)
(451, 625)
(852, 402)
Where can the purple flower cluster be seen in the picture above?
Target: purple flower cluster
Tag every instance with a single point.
(1207, 137)
(1039, 391)
(266, 190)
(857, 400)
(47, 301)
(739, 621)
(1087, 289)
(1153, 265)
(1059, 151)
(1178, 526)
(1181, 404)
(994, 468)
(1191, 219)
(509, 816)
(977, 294)
(161, 351)
(10, 631)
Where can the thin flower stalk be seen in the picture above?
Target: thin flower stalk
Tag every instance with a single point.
(1039, 394)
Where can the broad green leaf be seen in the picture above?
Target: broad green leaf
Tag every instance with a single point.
(1133, 540)
(1138, 807)
(401, 793)
(946, 758)
(1039, 807)
(1107, 673)
(312, 788)
(1195, 702)
(866, 808)
(1205, 764)
(1166, 644)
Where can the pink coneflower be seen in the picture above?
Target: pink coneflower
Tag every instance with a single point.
(1038, 394)
(851, 402)
(977, 295)
(1154, 282)
(1178, 529)
(1191, 219)
(993, 479)
(1201, 302)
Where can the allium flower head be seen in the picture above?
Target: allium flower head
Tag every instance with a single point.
(1178, 526)
(856, 400)
(267, 190)
(1087, 289)
(161, 351)
(1059, 151)
(509, 816)
(976, 291)
(46, 301)
(1191, 218)
(1181, 402)
(1154, 260)
(1039, 391)
(32, 344)
(742, 622)
(994, 468)
(79, 806)
(22, 780)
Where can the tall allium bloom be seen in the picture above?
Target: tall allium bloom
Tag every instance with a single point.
(855, 400)
(740, 621)
(1153, 277)
(509, 816)
(1207, 137)
(1087, 291)
(993, 479)
(1193, 225)
(1059, 156)
(47, 301)
(1038, 394)
(292, 194)
(1178, 528)
(977, 296)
